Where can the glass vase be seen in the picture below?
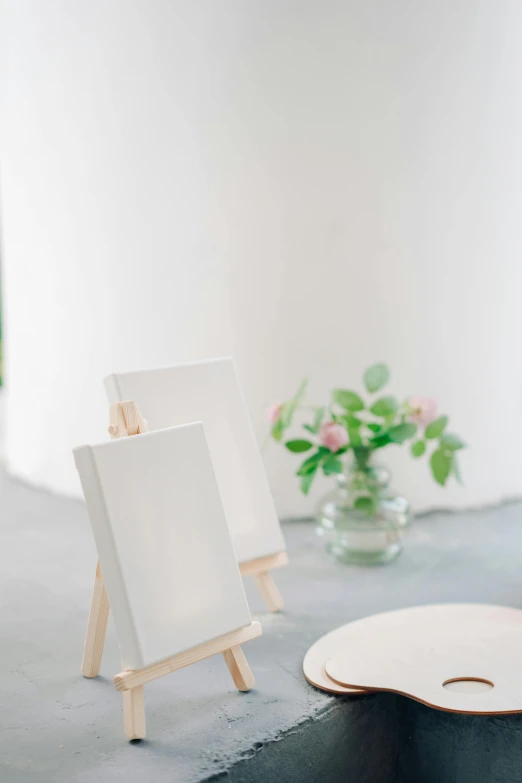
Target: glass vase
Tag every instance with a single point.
(362, 520)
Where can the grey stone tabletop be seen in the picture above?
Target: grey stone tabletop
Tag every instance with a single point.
(57, 726)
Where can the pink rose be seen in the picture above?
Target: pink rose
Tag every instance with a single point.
(423, 410)
(333, 436)
(273, 413)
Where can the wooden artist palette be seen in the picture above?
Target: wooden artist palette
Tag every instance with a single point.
(319, 653)
(461, 658)
(316, 657)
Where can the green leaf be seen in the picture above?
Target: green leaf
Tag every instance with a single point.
(319, 415)
(381, 440)
(318, 418)
(286, 415)
(332, 465)
(348, 400)
(277, 430)
(311, 464)
(376, 377)
(402, 432)
(384, 406)
(300, 393)
(290, 407)
(298, 445)
(365, 503)
(440, 466)
(306, 481)
(436, 428)
(455, 468)
(324, 452)
(451, 442)
(418, 448)
(374, 427)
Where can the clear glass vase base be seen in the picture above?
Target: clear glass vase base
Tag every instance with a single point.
(359, 556)
(364, 537)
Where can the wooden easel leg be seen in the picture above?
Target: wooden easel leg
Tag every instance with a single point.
(267, 588)
(239, 668)
(96, 628)
(134, 713)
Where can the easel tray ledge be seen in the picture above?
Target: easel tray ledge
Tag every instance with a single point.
(129, 679)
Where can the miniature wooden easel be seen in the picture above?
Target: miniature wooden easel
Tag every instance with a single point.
(126, 419)
(260, 569)
(151, 388)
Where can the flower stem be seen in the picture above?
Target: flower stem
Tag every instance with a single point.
(362, 456)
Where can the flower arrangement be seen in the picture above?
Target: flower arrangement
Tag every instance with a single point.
(351, 424)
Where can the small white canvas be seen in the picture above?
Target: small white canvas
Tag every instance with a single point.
(209, 391)
(163, 542)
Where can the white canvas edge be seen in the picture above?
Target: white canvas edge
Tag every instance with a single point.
(107, 553)
(98, 516)
(113, 391)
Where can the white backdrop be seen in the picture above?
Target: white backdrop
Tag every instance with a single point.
(309, 186)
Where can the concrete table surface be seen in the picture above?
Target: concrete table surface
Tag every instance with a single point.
(57, 726)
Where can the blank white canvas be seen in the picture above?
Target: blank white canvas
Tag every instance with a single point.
(209, 391)
(164, 545)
